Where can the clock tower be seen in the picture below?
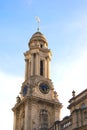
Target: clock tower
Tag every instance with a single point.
(37, 107)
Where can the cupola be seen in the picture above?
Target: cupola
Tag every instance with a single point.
(38, 40)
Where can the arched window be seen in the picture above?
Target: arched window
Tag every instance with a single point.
(41, 45)
(41, 67)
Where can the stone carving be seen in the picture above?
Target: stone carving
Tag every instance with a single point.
(55, 95)
(18, 99)
(43, 119)
(33, 82)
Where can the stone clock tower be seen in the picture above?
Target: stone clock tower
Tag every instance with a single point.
(37, 107)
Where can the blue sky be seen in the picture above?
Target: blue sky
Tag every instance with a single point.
(64, 24)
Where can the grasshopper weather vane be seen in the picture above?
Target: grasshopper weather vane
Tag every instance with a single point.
(38, 21)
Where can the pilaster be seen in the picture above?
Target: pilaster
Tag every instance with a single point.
(14, 123)
(27, 116)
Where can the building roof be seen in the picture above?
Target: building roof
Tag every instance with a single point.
(38, 36)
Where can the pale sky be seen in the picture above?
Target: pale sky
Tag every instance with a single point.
(64, 24)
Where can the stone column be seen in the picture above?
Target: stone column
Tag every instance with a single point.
(32, 65)
(45, 68)
(48, 67)
(29, 68)
(26, 69)
(36, 67)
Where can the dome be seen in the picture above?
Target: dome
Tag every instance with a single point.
(38, 36)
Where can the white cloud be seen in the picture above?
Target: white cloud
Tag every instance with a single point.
(9, 89)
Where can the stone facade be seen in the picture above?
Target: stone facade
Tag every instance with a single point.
(78, 114)
(37, 107)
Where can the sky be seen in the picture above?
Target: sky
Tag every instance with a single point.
(64, 24)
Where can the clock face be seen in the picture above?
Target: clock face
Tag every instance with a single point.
(44, 88)
(25, 90)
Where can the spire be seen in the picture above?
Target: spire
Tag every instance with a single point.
(38, 21)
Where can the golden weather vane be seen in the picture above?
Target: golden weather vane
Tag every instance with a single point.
(38, 21)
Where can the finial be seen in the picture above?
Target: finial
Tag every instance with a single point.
(18, 99)
(38, 21)
(73, 93)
